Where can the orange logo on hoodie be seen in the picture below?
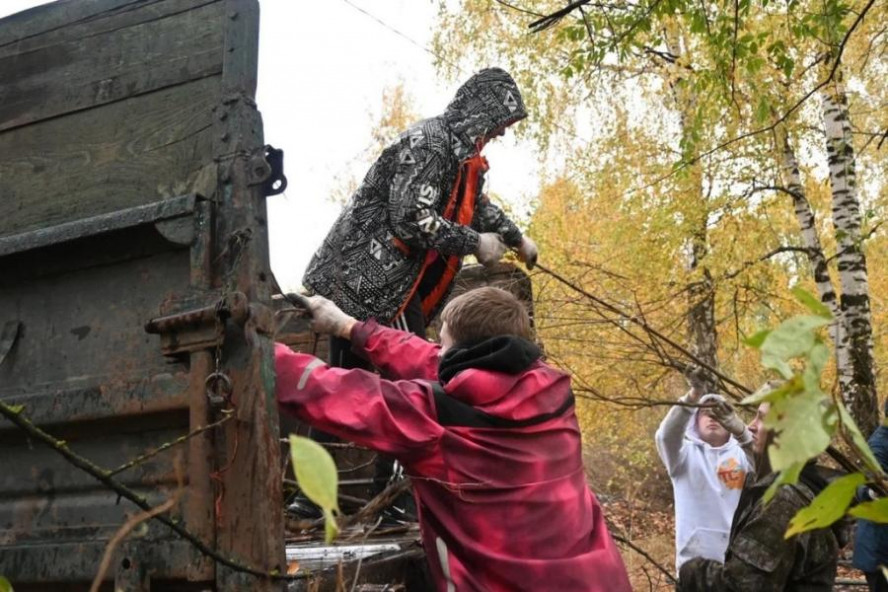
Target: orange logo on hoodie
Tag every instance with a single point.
(731, 474)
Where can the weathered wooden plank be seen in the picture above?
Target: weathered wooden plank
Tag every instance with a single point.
(160, 211)
(75, 562)
(86, 328)
(31, 467)
(93, 162)
(67, 20)
(253, 480)
(103, 68)
(158, 393)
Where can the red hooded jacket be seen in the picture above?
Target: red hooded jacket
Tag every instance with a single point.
(495, 459)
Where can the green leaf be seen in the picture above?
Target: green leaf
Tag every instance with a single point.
(875, 511)
(774, 362)
(829, 505)
(331, 528)
(803, 431)
(793, 337)
(15, 410)
(858, 440)
(5, 586)
(757, 339)
(812, 303)
(818, 356)
(762, 109)
(767, 393)
(317, 477)
(787, 477)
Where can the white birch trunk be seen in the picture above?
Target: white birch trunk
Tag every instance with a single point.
(856, 377)
(792, 181)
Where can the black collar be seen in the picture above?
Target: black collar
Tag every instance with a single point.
(506, 353)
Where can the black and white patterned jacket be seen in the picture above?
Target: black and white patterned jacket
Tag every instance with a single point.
(360, 265)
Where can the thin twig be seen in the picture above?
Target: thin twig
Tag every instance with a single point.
(833, 452)
(130, 524)
(644, 554)
(378, 503)
(14, 414)
(168, 445)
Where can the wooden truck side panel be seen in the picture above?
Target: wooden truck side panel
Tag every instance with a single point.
(131, 195)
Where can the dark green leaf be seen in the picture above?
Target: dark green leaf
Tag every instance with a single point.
(829, 505)
(857, 439)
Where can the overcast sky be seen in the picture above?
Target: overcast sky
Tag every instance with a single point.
(323, 67)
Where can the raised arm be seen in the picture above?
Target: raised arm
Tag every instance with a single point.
(393, 417)
(670, 437)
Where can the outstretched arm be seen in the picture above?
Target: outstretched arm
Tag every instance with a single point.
(398, 355)
(393, 417)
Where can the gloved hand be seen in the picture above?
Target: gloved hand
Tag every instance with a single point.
(326, 317)
(725, 415)
(527, 252)
(696, 379)
(491, 248)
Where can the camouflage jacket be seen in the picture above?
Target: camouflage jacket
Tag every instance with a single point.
(758, 558)
(372, 257)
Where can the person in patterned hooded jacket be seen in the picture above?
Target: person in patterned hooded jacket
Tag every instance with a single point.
(396, 247)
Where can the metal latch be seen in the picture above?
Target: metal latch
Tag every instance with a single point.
(201, 328)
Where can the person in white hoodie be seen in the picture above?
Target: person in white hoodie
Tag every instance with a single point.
(707, 451)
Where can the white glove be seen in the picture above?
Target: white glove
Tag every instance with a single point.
(326, 318)
(725, 415)
(696, 379)
(491, 248)
(527, 252)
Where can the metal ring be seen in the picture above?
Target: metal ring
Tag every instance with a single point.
(213, 383)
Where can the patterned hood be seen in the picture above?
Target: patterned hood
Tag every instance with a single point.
(488, 100)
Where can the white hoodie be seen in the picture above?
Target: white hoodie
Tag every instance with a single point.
(706, 482)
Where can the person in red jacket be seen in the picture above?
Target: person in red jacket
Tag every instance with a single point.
(486, 431)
